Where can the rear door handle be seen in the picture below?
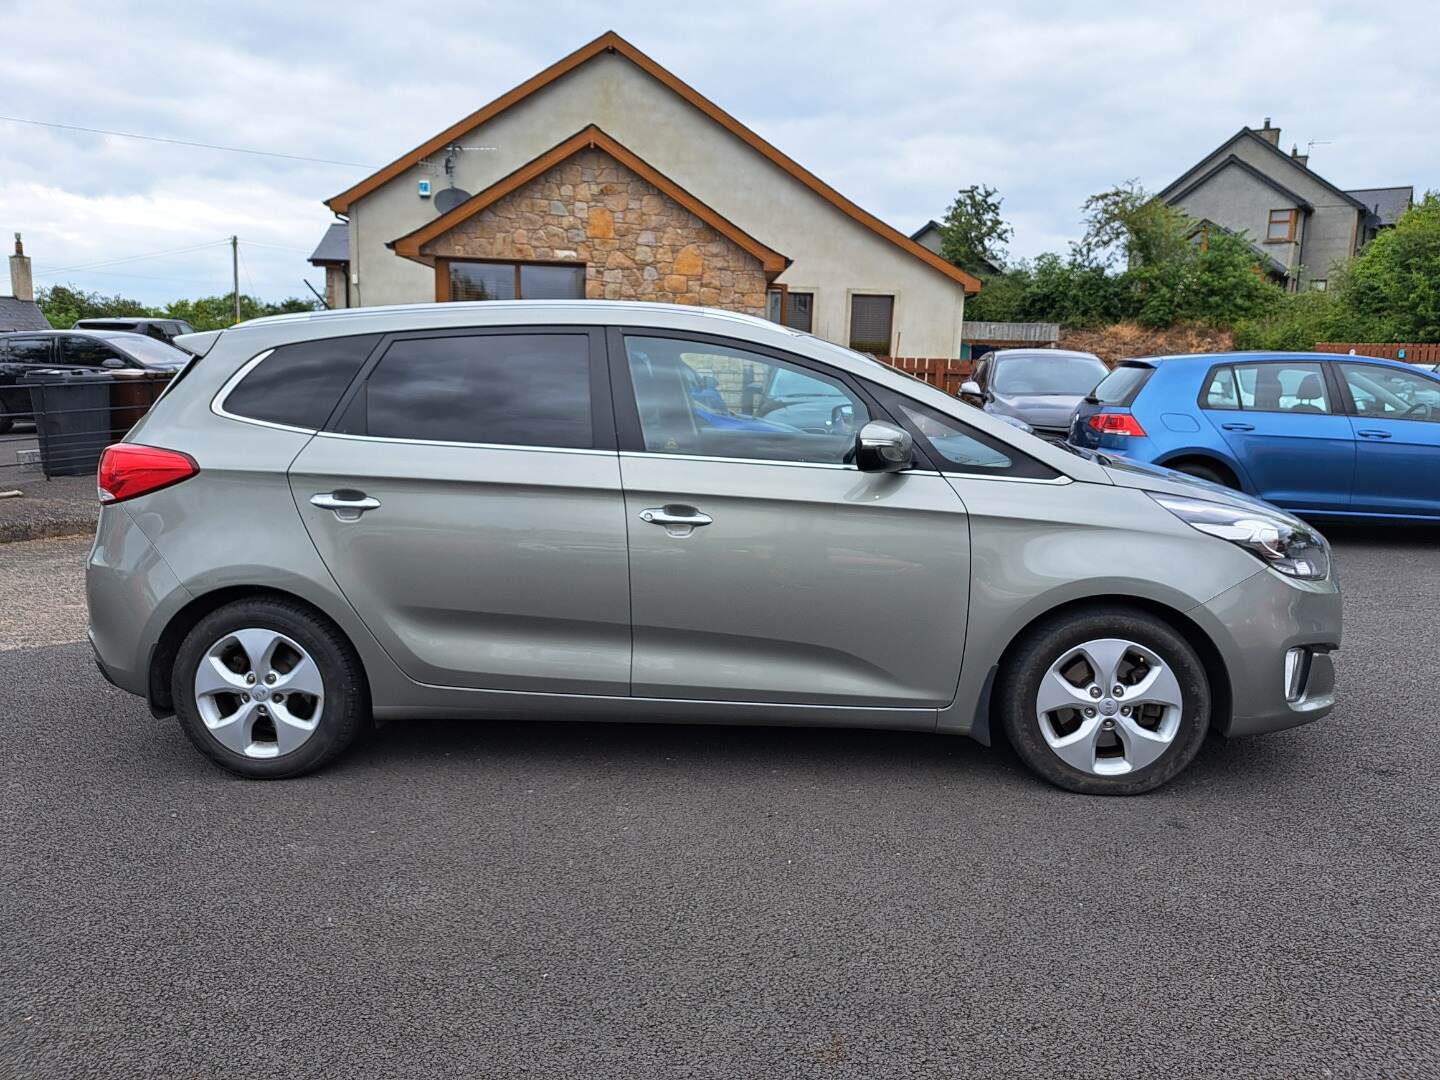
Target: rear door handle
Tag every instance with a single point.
(1371, 433)
(677, 520)
(348, 505)
(1238, 427)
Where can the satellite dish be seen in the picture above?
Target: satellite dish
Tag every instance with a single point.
(449, 198)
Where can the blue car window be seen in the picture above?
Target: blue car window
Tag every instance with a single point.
(700, 399)
(1282, 387)
(1221, 393)
(1391, 393)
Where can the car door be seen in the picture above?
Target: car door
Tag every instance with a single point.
(1285, 430)
(763, 567)
(1395, 415)
(467, 501)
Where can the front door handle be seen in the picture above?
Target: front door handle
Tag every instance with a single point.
(1238, 427)
(348, 505)
(677, 520)
(1371, 433)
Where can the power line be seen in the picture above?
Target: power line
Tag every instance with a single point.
(186, 142)
(277, 247)
(131, 258)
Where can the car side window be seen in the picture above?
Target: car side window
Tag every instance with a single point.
(954, 442)
(1282, 387)
(298, 385)
(86, 352)
(29, 351)
(506, 389)
(1220, 391)
(1391, 393)
(702, 399)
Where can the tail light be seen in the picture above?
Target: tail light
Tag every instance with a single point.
(1116, 423)
(129, 469)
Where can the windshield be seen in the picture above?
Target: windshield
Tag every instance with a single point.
(1037, 373)
(148, 351)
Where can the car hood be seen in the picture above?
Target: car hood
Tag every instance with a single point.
(1145, 477)
(1038, 410)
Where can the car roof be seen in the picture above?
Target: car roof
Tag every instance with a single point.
(999, 353)
(1210, 359)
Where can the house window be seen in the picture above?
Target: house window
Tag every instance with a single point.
(871, 319)
(800, 314)
(516, 281)
(1319, 284)
(1281, 229)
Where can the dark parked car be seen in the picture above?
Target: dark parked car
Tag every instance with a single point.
(22, 352)
(166, 330)
(1316, 433)
(1039, 386)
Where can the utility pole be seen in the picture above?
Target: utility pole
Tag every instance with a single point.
(235, 271)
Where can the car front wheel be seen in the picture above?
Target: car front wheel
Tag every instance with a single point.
(268, 689)
(1111, 701)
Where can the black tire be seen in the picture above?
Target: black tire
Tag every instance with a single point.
(1202, 471)
(1043, 645)
(344, 718)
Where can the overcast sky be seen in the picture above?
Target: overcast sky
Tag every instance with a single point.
(897, 105)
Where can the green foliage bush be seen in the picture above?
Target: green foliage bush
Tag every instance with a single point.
(64, 305)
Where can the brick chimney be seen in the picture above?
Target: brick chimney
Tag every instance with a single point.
(1270, 134)
(22, 285)
(1299, 158)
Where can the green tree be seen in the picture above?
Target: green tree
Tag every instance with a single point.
(1128, 221)
(218, 312)
(974, 234)
(64, 305)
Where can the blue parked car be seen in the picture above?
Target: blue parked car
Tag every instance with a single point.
(1316, 433)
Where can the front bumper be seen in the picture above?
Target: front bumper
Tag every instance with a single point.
(1254, 625)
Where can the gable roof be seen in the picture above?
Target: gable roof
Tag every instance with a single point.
(611, 42)
(1385, 204)
(1274, 265)
(334, 246)
(1246, 132)
(1265, 178)
(590, 137)
(21, 315)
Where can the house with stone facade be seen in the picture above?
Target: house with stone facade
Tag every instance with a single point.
(1301, 224)
(607, 177)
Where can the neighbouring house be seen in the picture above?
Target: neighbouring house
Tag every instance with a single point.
(607, 177)
(1300, 223)
(332, 254)
(932, 233)
(19, 311)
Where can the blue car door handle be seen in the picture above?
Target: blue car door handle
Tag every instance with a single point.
(1238, 427)
(1371, 433)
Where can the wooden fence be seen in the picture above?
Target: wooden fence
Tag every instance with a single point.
(936, 370)
(1412, 352)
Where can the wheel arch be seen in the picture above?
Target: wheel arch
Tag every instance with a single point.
(1207, 456)
(1210, 656)
(167, 645)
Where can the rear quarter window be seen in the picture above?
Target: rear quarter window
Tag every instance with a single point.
(1123, 384)
(299, 385)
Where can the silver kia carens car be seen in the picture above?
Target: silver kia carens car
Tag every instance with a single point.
(634, 512)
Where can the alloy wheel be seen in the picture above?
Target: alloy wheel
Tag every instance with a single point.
(259, 693)
(1109, 707)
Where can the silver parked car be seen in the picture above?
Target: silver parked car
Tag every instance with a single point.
(622, 511)
(1042, 387)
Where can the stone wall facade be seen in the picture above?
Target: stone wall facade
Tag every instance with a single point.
(636, 242)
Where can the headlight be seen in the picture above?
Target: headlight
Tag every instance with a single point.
(1278, 540)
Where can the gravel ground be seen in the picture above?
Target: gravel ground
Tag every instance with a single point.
(63, 506)
(502, 900)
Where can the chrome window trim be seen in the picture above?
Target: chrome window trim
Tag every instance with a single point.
(217, 403)
(589, 450)
(1054, 481)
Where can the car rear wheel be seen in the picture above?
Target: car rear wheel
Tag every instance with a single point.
(1201, 471)
(1110, 701)
(268, 689)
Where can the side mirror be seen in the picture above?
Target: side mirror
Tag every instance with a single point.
(112, 362)
(970, 390)
(882, 447)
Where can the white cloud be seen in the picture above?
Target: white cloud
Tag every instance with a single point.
(896, 106)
